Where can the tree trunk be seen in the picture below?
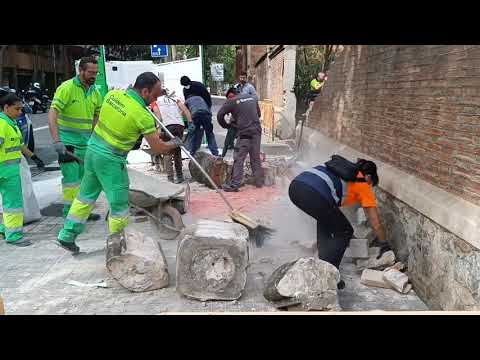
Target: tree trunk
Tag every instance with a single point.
(136, 261)
(3, 49)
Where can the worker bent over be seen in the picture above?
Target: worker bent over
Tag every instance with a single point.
(246, 119)
(123, 119)
(322, 190)
(72, 117)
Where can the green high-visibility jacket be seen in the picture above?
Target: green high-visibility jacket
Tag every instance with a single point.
(122, 120)
(76, 107)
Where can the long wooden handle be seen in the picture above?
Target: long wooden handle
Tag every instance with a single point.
(210, 180)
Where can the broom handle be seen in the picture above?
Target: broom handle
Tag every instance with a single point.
(194, 161)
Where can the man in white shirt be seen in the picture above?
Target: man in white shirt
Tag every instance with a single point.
(171, 112)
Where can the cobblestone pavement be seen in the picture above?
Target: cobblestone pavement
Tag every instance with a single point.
(34, 280)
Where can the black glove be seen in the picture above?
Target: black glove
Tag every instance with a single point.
(383, 245)
(37, 161)
(66, 158)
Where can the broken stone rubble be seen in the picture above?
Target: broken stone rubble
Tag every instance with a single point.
(387, 259)
(396, 279)
(306, 283)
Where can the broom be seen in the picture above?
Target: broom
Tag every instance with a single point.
(258, 233)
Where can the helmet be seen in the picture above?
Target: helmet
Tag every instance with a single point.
(36, 85)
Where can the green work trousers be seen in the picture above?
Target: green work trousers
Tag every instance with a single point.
(101, 173)
(12, 203)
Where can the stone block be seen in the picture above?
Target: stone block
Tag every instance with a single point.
(136, 261)
(359, 248)
(212, 259)
(387, 259)
(268, 175)
(396, 279)
(373, 278)
(307, 283)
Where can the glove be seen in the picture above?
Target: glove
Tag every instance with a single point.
(191, 127)
(60, 148)
(37, 161)
(176, 141)
(383, 245)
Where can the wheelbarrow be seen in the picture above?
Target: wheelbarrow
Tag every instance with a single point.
(163, 201)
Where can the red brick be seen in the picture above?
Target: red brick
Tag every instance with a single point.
(415, 107)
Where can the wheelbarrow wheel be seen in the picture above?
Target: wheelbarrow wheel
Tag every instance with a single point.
(170, 224)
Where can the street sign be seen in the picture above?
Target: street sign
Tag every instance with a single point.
(217, 72)
(159, 51)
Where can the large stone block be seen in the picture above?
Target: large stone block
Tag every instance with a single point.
(136, 261)
(307, 283)
(212, 259)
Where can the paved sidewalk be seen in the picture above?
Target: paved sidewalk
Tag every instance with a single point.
(33, 280)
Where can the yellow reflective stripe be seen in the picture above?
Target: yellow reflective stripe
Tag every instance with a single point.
(69, 194)
(12, 221)
(117, 224)
(122, 140)
(79, 212)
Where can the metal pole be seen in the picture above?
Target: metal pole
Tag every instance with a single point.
(200, 52)
(194, 161)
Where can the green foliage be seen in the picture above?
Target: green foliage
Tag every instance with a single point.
(311, 59)
(222, 54)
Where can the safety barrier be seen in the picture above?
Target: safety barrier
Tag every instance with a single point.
(268, 118)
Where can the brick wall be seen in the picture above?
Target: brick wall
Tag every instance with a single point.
(260, 80)
(415, 107)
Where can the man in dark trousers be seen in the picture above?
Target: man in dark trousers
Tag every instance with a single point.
(194, 88)
(232, 132)
(246, 119)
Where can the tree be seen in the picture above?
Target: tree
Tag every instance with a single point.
(311, 59)
(3, 49)
(222, 54)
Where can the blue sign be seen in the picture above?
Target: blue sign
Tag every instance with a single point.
(159, 51)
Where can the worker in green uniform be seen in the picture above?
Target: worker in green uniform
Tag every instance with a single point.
(72, 117)
(123, 119)
(11, 149)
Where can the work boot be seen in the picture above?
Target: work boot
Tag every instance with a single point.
(70, 246)
(94, 217)
(21, 243)
(229, 188)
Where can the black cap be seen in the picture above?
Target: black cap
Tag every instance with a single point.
(185, 80)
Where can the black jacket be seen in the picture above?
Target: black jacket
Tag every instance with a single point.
(198, 89)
